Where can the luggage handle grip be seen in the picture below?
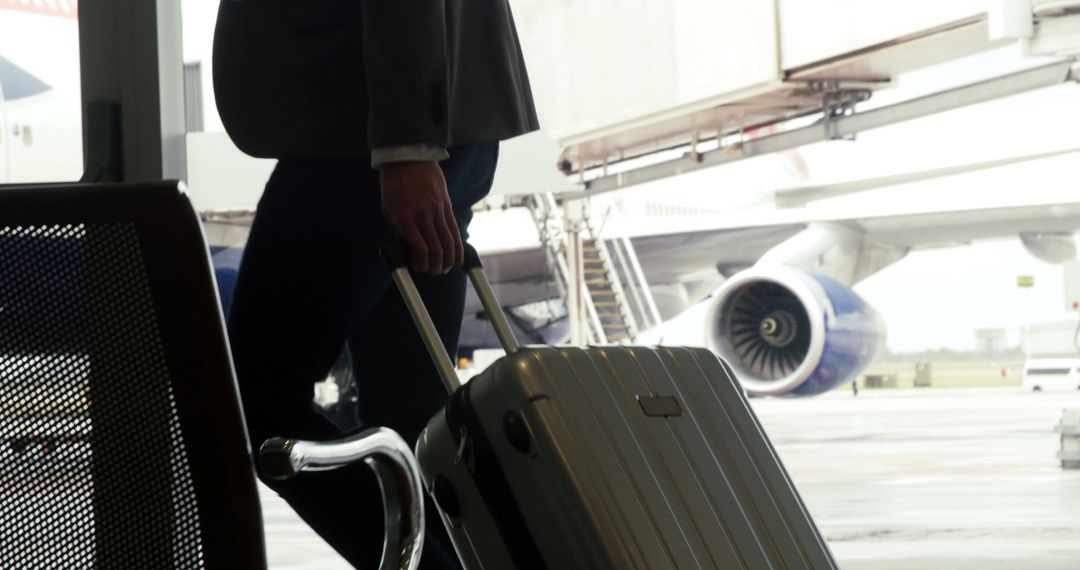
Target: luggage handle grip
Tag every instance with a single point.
(396, 256)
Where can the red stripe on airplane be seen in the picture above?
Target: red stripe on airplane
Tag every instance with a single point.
(55, 8)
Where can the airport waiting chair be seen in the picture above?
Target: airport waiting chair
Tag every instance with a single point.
(122, 443)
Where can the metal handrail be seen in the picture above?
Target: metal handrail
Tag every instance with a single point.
(635, 264)
(395, 467)
(635, 291)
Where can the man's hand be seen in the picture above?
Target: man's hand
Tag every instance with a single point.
(417, 205)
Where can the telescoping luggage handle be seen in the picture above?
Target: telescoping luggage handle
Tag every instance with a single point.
(396, 255)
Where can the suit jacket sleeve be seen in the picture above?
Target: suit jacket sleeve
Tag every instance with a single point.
(406, 67)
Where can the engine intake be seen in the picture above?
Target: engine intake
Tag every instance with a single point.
(788, 332)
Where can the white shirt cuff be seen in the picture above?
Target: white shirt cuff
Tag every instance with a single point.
(408, 153)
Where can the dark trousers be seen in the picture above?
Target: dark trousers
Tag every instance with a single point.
(312, 280)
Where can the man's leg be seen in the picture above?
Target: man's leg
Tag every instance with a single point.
(311, 268)
(311, 271)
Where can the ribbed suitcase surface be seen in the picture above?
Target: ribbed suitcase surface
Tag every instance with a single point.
(613, 457)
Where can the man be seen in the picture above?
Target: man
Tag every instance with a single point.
(385, 116)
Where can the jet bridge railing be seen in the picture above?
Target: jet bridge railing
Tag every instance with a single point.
(645, 303)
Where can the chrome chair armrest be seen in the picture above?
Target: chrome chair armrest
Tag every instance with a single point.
(395, 466)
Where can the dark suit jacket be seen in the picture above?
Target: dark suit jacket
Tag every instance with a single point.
(323, 78)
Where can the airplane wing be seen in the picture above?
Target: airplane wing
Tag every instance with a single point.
(665, 258)
(734, 244)
(736, 241)
(941, 229)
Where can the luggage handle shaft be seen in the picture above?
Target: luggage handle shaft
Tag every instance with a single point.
(396, 255)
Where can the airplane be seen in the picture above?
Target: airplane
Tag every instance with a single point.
(785, 315)
(40, 116)
(783, 312)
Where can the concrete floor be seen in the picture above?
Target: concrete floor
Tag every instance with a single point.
(932, 479)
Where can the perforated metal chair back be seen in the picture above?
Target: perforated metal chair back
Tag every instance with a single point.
(122, 444)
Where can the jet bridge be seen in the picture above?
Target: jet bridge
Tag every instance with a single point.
(657, 92)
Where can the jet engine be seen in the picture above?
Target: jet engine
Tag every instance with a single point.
(786, 332)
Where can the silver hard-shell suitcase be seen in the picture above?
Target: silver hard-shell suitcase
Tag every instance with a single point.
(606, 457)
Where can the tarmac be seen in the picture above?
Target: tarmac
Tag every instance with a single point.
(932, 478)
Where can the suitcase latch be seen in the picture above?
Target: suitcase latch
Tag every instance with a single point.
(660, 406)
(464, 455)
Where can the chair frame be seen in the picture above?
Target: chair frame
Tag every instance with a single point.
(191, 325)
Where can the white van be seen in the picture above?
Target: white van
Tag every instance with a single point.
(1051, 374)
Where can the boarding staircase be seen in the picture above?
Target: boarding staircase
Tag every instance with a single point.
(617, 298)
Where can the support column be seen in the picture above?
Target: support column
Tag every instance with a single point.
(574, 210)
(131, 55)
